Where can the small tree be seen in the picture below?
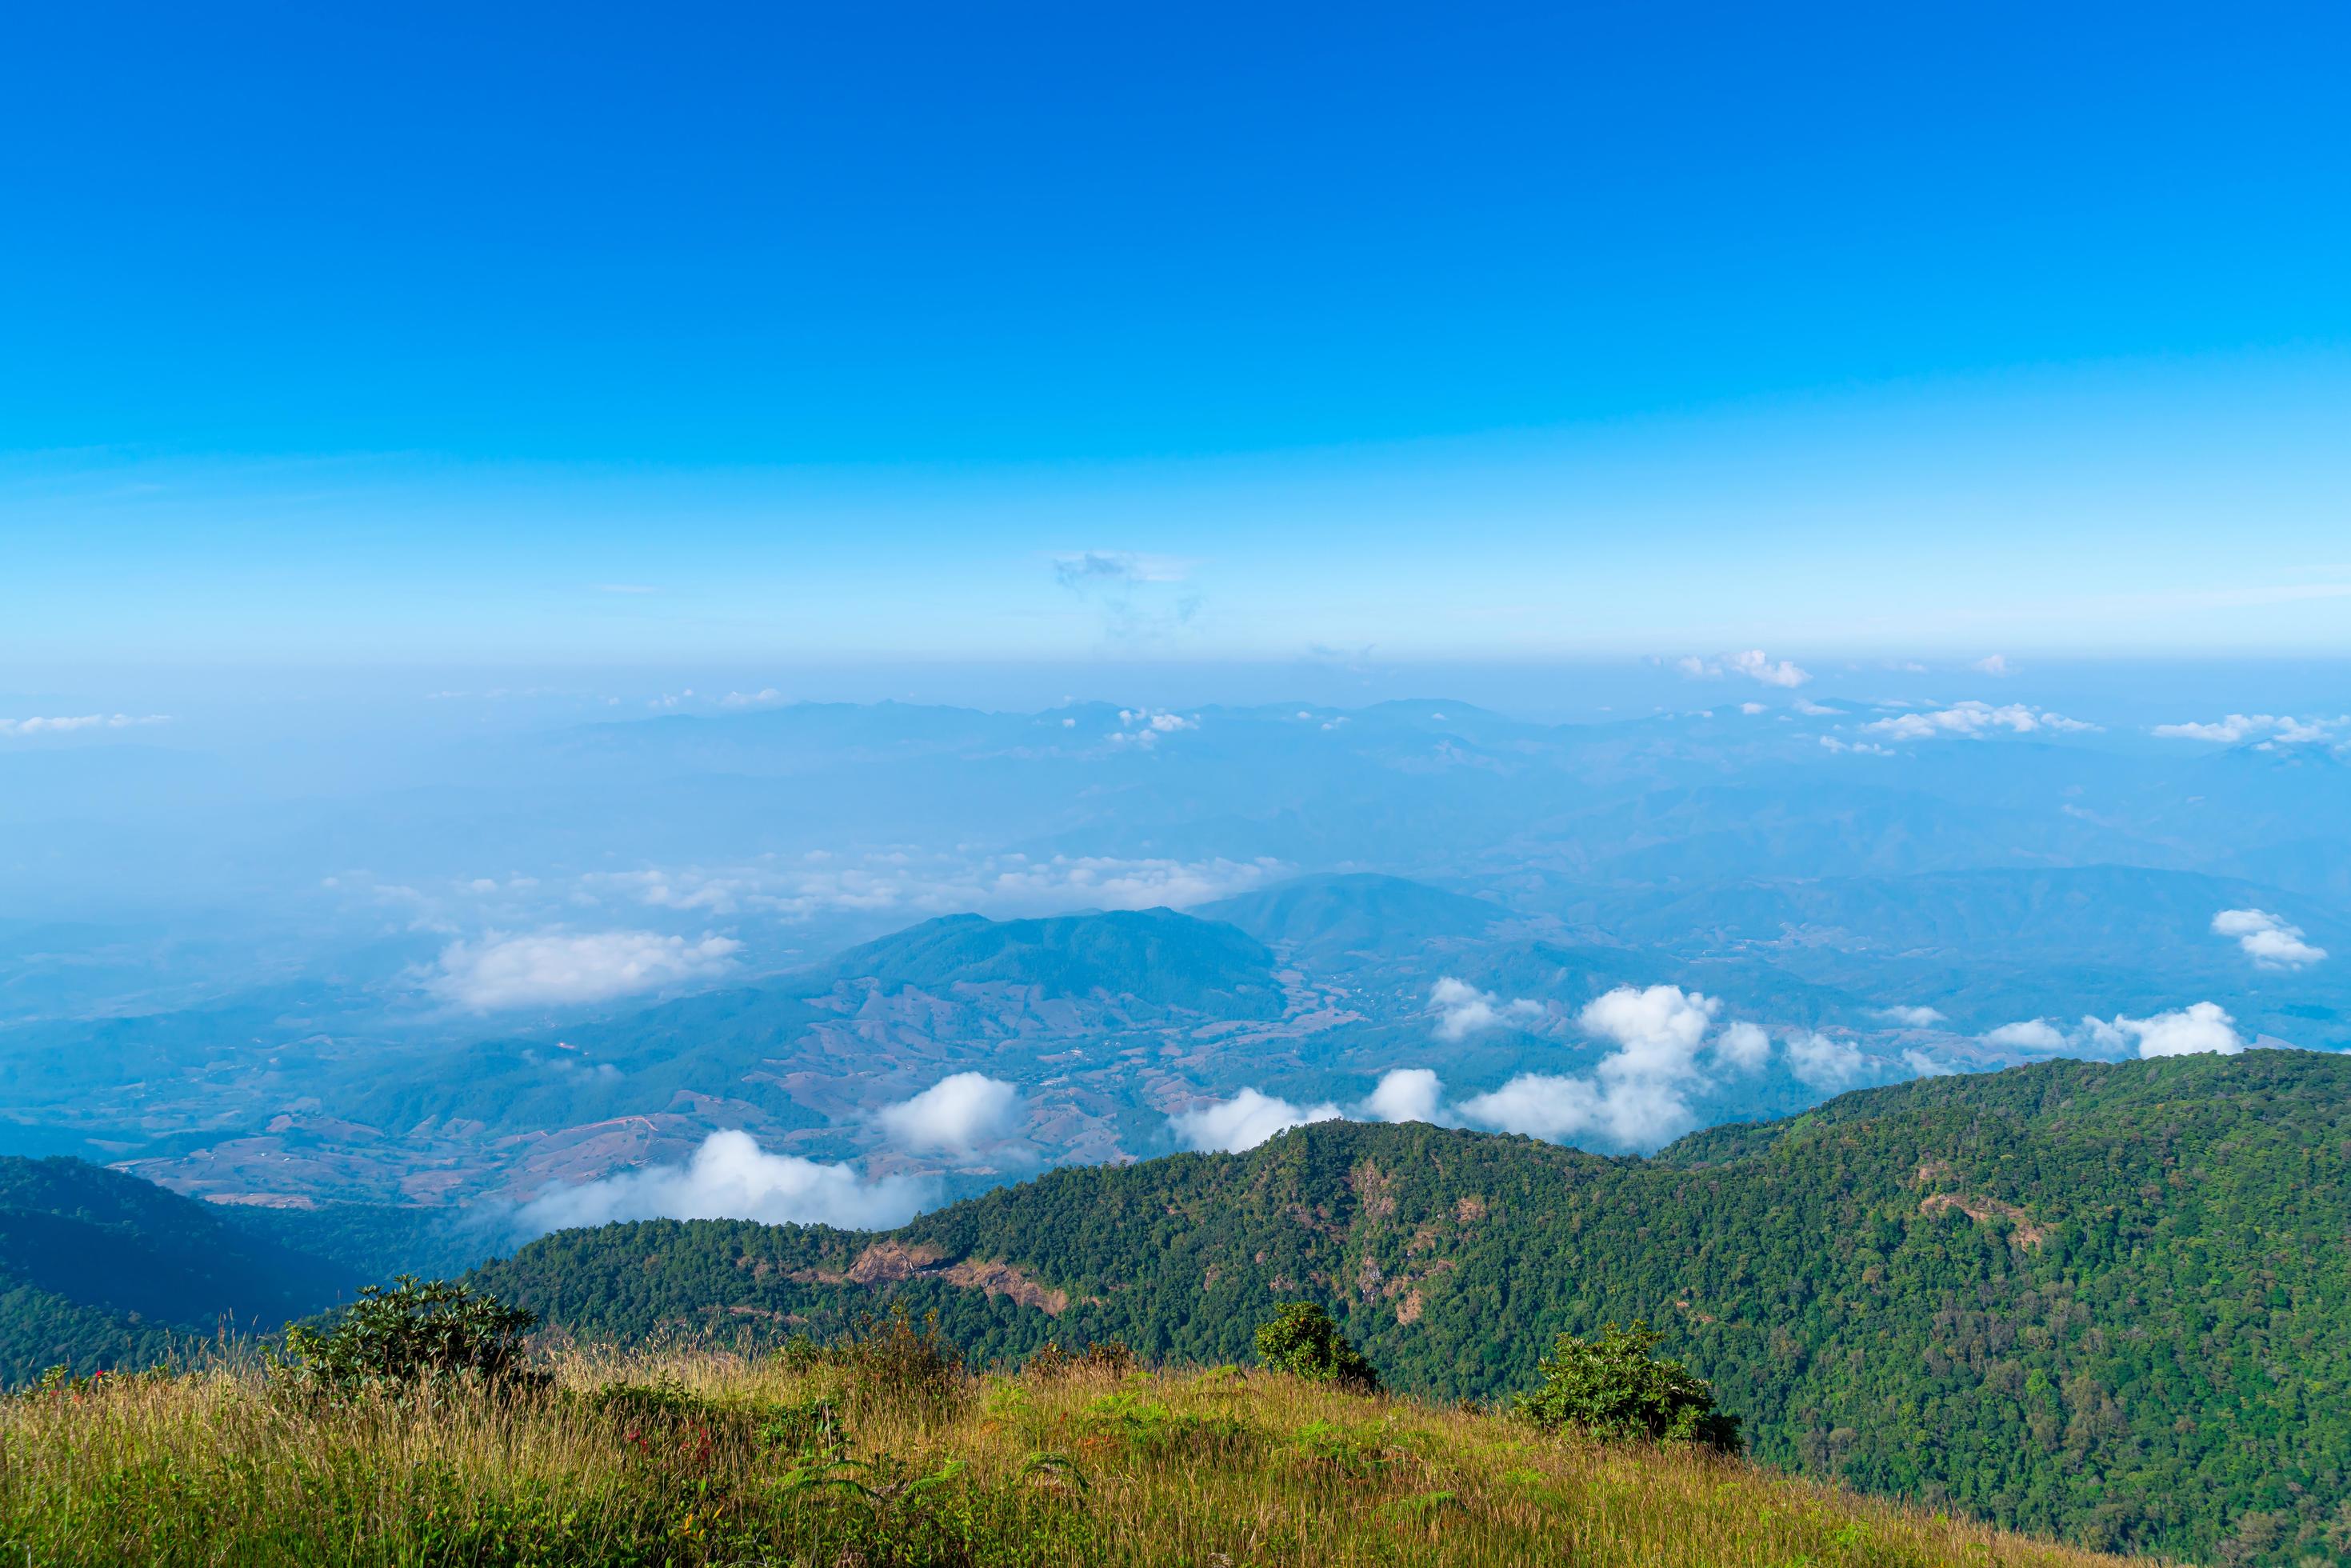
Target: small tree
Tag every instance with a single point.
(1615, 1387)
(1301, 1340)
(411, 1332)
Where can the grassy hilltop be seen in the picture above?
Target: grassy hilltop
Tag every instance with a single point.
(697, 1457)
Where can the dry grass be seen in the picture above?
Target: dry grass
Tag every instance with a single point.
(1089, 1465)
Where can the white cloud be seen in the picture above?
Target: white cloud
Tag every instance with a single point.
(955, 1116)
(1911, 1018)
(2201, 1027)
(1405, 1095)
(921, 883)
(2240, 726)
(1142, 727)
(1997, 664)
(1462, 1009)
(2272, 943)
(1635, 1114)
(62, 725)
(1636, 1097)
(1243, 1122)
(731, 1177)
(2190, 1031)
(556, 967)
(765, 696)
(1825, 1064)
(1751, 709)
(2028, 1034)
(1857, 748)
(1754, 664)
(1922, 1065)
(1658, 1030)
(1973, 720)
(1743, 1047)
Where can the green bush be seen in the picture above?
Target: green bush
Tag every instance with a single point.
(1303, 1340)
(887, 1364)
(1615, 1386)
(411, 1332)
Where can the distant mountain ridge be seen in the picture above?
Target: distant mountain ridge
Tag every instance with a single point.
(98, 1267)
(1157, 956)
(2112, 1301)
(1357, 912)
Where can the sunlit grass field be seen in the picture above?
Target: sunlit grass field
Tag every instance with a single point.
(701, 1457)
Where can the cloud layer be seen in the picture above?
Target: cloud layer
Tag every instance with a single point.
(2198, 1027)
(919, 883)
(553, 968)
(1753, 663)
(1972, 721)
(2269, 728)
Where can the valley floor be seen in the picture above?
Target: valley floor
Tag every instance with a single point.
(702, 1457)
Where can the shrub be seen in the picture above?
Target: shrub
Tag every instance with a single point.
(1148, 1427)
(1301, 1340)
(889, 1363)
(414, 1332)
(1615, 1386)
(1050, 1361)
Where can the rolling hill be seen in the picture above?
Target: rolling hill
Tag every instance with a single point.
(2106, 1301)
(1155, 957)
(101, 1269)
(1357, 912)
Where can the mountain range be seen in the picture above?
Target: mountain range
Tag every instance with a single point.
(2106, 1301)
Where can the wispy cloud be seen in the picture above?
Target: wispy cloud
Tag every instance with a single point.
(2283, 729)
(553, 968)
(1753, 663)
(64, 724)
(1462, 1009)
(1142, 597)
(919, 883)
(1973, 720)
(1827, 1063)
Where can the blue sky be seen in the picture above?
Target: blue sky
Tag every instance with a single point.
(1036, 333)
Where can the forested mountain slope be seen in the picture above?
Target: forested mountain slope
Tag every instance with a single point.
(2110, 1301)
(101, 1269)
